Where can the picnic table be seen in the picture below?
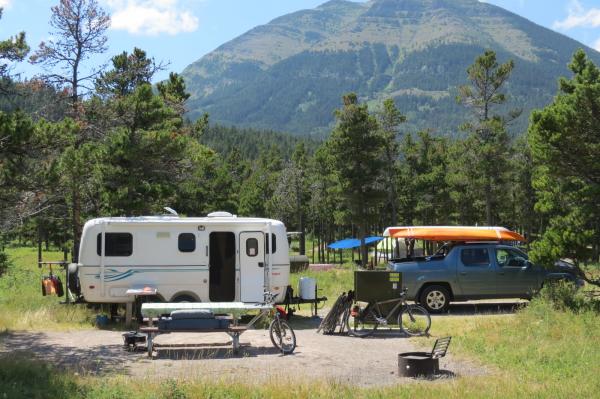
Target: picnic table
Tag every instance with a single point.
(233, 311)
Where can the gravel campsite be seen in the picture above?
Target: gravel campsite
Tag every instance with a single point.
(317, 358)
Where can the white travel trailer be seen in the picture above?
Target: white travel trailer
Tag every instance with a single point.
(218, 258)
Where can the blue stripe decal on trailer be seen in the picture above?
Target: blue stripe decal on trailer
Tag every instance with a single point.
(114, 275)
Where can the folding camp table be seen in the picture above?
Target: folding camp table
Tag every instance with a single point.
(153, 311)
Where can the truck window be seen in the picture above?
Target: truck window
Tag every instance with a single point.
(186, 242)
(510, 258)
(475, 257)
(117, 244)
(273, 241)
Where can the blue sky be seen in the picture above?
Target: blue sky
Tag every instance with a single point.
(181, 31)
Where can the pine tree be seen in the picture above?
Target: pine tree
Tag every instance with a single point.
(565, 144)
(13, 49)
(356, 149)
(152, 157)
(256, 192)
(427, 163)
(79, 27)
(325, 204)
(290, 198)
(390, 119)
(488, 145)
(16, 133)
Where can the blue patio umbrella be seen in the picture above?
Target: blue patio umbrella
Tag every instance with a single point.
(348, 243)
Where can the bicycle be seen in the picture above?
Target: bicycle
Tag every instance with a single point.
(413, 320)
(281, 333)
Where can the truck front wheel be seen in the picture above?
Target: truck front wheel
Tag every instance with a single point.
(435, 298)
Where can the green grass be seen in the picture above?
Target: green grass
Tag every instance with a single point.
(330, 283)
(24, 307)
(540, 352)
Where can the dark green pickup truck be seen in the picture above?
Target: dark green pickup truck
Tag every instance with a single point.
(462, 272)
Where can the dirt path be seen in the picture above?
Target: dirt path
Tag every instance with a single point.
(370, 361)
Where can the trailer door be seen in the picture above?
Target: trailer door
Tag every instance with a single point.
(222, 267)
(252, 266)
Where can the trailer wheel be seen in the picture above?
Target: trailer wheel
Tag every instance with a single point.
(73, 279)
(435, 298)
(184, 298)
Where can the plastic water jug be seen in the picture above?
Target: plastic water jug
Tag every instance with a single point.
(307, 287)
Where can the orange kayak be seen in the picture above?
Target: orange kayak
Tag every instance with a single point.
(454, 233)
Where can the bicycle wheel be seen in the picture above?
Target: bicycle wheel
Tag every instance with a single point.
(282, 336)
(414, 320)
(362, 324)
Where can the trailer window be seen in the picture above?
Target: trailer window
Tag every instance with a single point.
(273, 241)
(117, 244)
(251, 247)
(187, 242)
(475, 257)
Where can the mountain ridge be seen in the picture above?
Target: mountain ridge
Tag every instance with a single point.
(290, 73)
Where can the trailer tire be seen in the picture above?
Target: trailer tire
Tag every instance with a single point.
(435, 298)
(73, 279)
(184, 298)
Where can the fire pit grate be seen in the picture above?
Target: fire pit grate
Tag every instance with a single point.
(423, 364)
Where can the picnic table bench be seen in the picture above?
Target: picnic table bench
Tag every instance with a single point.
(234, 310)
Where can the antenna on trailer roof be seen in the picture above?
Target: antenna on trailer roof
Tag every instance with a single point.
(171, 210)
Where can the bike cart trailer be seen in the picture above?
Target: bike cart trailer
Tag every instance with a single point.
(308, 296)
(380, 301)
(211, 317)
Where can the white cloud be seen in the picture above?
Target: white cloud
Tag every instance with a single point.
(579, 17)
(596, 45)
(151, 17)
(5, 3)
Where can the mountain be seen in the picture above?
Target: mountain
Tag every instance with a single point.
(290, 74)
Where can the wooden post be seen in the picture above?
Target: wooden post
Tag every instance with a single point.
(128, 313)
(376, 258)
(385, 248)
(39, 239)
(312, 240)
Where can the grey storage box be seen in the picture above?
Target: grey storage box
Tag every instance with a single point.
(193, 319)
(375, 285)
(169, 324)
(192, 314)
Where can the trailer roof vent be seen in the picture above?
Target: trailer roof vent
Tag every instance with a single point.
(220, 214)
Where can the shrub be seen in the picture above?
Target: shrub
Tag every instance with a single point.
(564, 295)
(174, 390)
(4, 262)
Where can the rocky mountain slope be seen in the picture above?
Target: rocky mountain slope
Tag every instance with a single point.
(290, 74)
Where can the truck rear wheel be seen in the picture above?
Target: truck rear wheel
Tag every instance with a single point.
(435, 298)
